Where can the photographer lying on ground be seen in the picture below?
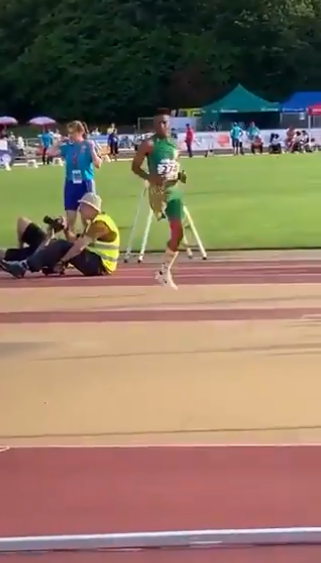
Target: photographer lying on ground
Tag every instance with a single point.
(93, 253)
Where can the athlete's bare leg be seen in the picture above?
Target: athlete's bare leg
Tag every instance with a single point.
(164, 276)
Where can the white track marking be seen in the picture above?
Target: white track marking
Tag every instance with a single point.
(4, 449)
(161, 446)
(227, 266)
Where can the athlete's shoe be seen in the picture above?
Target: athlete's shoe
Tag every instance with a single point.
(165, 279)
(15, 269)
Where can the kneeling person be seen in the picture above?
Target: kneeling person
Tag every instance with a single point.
(94, 253)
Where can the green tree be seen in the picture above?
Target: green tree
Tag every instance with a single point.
(97, 60)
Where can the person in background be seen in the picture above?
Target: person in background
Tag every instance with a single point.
(297, 143)
(20, 146)
(312, 145)
(189, 138)
(3, 132)
(305, 139)
(257, 145)
(308, 146)
(252, 131)
(212, 126)
(254, 136)
(236, 134)
(113, 142)
(56, 135)
(136, 140)
(174, 133)
(289, 138)
(46, 140)
(275, 146)
(81, 158)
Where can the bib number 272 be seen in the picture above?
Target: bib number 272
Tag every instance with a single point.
(168, 168)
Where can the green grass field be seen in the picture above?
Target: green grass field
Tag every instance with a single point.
(240, 203)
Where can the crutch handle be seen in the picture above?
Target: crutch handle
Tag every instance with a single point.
(182, 176)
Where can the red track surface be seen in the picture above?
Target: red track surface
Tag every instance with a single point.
(109, 490)
(186, 274)
(308, 271)
(164, 315)
(299, 554)
(72, 490)
(101, 490)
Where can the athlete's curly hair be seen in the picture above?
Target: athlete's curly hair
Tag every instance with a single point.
(162, 111)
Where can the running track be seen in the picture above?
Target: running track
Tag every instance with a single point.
(75, 490)
(78, 490)
(188, 273)
(192, 273)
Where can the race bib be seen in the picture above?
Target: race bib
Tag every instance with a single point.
(169, 169)
(76, 177)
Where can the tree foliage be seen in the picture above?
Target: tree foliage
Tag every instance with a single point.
(100, 59)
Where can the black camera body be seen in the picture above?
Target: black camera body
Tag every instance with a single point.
(56, 223)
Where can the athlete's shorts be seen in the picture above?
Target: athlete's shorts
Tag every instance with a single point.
(74, 192)
(175, 209)
(32, 238)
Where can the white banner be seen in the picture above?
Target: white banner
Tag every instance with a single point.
(212, 140)
(203, 140)
(221, 140)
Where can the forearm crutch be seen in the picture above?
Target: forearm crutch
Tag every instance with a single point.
(145, 235)
(134, 225)
(186, 244)
(195, 233)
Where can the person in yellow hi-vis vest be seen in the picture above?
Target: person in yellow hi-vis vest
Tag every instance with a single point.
(94, 253)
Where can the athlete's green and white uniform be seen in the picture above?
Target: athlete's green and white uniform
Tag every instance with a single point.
(162, 160)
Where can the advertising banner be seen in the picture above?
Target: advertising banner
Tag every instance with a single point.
(209, 140)
(5, 153)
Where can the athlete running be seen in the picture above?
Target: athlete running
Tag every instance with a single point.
(161, 153)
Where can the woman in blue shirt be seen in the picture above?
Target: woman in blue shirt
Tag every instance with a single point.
(81, 158)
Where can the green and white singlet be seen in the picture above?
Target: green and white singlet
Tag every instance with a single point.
(162, 160)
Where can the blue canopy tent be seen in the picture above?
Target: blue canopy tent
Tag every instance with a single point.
(300, 101)
(294, 109)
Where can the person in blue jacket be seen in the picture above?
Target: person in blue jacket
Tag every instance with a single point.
(46, 139)
(81, 158)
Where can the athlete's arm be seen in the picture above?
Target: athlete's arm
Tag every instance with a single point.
(138, 161)
(143, 150)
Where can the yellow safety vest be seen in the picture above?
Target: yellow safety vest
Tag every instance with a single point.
(108, 251)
